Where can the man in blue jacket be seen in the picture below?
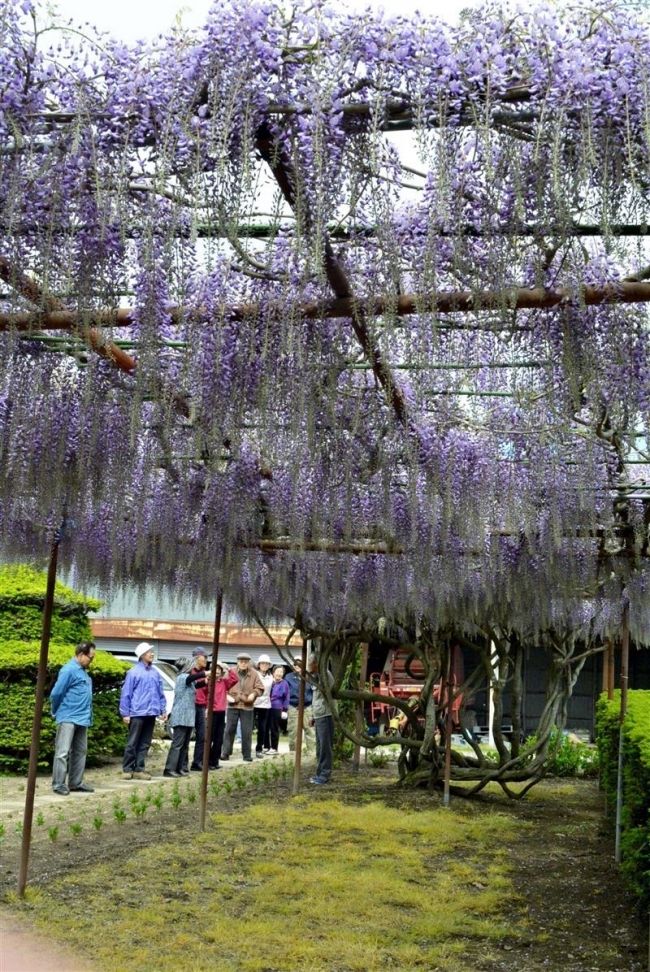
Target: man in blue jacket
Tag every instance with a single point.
(71, 702)
(141, 701)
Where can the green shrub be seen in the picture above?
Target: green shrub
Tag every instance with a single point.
(635, 836)
(568, 757)
(22, 593)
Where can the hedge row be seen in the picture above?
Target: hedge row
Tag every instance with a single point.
(108, 733)
(24, 584)
(635, 836)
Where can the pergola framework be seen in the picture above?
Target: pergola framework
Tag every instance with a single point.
(397, 482)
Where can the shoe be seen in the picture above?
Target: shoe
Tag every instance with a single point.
(183, 772)
(141, 775)
(196, 768)
(214, 767)
(273, 752)
(267, 751)
(171, 773)
(82, 788)
(318, 780)
(127, 776)
(61, 790)
(224, 759)
(248, 759)
(259, 755)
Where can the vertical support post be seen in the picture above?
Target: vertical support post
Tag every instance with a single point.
(209, 714)
(363, 676)
(448, 730)
(301, 721)
(625, 658)
(611, 670)
(38, 717)
(494, 677)
(606, 659)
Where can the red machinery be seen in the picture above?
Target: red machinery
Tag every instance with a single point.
(402, 678)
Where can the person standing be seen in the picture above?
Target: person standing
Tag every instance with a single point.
(262, 707)
(323, 707)
(182, 716)
(243, 693)
(71, 703)
(294, 679)
(141, 702)
(224, 680)
(279, 707)
(200, 664)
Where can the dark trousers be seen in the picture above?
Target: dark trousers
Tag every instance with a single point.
(275, 727)
(263, 719)
(245, 718)
(324, 745)
(137, 743)
(218, 724)
(199, 737)
(177, 756)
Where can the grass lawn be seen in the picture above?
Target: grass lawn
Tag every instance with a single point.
(311, 884)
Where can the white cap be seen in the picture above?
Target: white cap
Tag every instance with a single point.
(264, 658)
(142, 648)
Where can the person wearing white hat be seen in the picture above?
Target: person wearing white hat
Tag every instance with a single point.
(262, 707)
(242, 695)
(141, 702)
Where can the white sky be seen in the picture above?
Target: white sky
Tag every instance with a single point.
(130, 20)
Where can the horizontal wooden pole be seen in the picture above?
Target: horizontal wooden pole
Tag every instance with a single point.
(454, 302)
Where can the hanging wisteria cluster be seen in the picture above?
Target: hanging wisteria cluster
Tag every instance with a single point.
(345, 314)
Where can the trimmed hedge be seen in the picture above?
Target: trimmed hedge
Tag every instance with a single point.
(107, 735)
(22, 594)
(635, 836)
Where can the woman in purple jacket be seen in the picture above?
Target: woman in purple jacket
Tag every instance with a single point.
(279, 706)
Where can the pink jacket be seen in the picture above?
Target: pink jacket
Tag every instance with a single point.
(221, 687)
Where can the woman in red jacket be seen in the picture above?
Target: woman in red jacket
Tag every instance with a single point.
(225, 679)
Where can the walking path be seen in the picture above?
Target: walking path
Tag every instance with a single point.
(21, 948)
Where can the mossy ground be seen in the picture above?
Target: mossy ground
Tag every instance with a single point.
(358, 876)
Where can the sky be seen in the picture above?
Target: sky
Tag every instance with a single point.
(131, 20)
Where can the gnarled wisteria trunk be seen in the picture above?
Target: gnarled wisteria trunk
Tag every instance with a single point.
(423, 722)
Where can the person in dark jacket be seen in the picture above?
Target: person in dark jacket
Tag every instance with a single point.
(141, 702)
(71, 702)
(294, 679)
(182, 716)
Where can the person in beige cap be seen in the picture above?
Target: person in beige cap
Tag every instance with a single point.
(141, 702)
(241, 698)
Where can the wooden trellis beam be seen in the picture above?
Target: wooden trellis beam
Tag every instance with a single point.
(453, 302)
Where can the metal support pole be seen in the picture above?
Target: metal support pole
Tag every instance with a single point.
(448, 730)
(363, 675)
(301, 720)
(625, 661)
(209, 720)
(38, 717)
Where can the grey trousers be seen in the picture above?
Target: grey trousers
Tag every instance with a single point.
(70, 749)
(245, 718)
